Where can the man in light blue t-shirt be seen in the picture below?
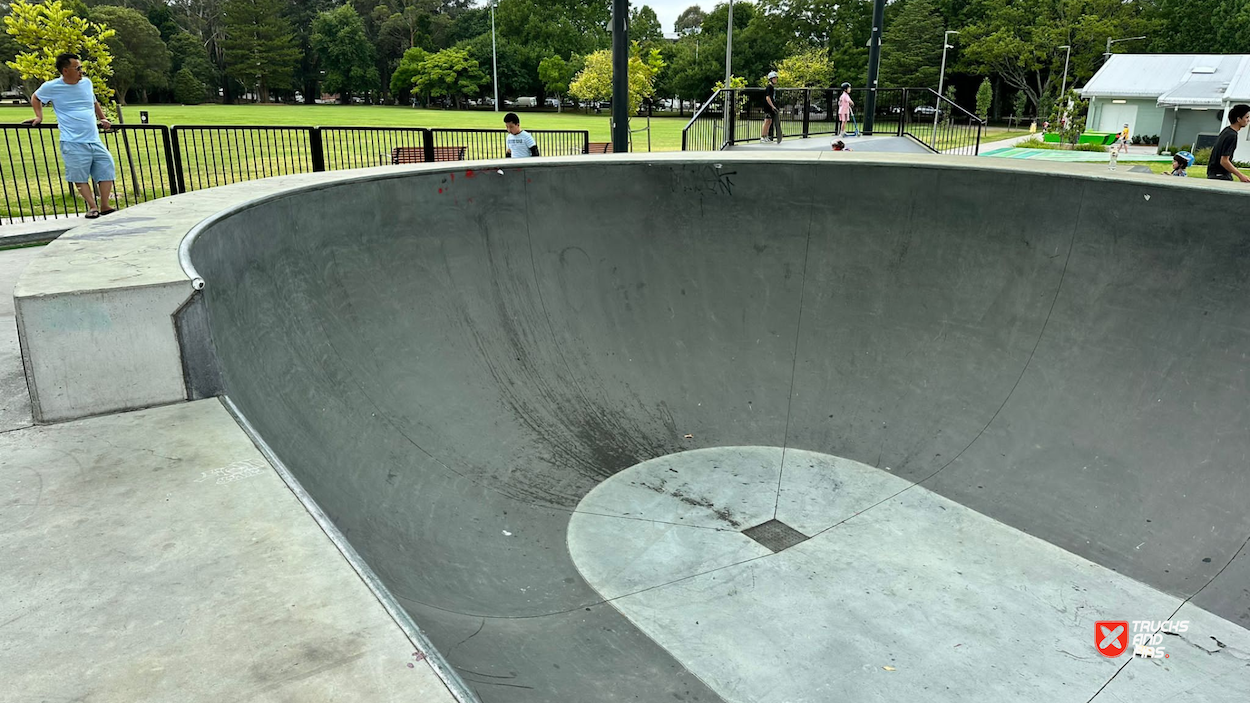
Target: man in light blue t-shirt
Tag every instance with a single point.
(519, 143)
(77, 110)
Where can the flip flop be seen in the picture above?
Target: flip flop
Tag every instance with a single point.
(109, 211)
(92, 214)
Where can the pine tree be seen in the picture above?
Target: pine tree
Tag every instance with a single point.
(912, 44)
(260, 50)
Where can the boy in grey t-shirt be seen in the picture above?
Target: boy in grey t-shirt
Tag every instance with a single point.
(520, 144)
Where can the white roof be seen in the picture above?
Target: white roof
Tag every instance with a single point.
(1153, 76)
(1239, 90)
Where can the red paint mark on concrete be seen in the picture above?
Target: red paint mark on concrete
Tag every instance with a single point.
(440, 190)
(470, 173)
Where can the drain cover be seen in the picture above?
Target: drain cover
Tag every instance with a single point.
(775, 534)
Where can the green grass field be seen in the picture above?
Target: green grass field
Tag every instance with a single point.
(30, 169)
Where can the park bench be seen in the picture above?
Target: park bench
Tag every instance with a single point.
(599, 148)
(416, 154)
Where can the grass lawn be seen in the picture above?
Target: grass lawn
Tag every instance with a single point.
(665, 131)
(1194, 171)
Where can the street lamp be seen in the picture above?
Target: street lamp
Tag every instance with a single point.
(1111, 41)
(1064, 89)
(937, 108)
(729, 57)
(494, 56)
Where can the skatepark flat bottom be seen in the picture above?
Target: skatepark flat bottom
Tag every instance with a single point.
(544, 403)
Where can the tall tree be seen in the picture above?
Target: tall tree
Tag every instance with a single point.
(807, 68)
(344, 53)
(259, 46)
(644, 25)
(140, 58)
(185, 51)
(50, 28)
(405, 74)
(450, 73)
(912, 46)
(1019, 39)
(689, 21)
(556, 75)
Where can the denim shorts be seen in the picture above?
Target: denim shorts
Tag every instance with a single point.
(87, 161)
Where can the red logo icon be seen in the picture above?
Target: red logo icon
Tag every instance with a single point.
(1111, 637)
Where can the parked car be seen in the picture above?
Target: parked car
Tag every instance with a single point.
(551, 102)
(526, 102)
(927, 111)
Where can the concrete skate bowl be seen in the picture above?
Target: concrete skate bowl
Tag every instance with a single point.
(451, 362)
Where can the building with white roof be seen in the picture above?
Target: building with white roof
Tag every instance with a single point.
(1175, 96)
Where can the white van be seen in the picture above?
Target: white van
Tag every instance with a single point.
(527, 102)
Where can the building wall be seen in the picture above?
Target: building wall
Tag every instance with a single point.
(1189, 125)
(1106, 117)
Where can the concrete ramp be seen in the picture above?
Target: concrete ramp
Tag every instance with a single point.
(451, 362)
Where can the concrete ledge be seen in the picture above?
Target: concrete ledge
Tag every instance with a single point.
(38, 232)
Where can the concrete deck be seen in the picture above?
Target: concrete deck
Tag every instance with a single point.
(14, 397)
(156, 556)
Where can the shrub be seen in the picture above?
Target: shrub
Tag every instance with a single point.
(188, 89)
(1202, 157)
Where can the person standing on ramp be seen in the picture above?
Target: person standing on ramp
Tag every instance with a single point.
(845, 105)
(72, 98)
(770, 110)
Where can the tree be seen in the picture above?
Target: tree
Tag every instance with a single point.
(344, 52)
(259, 47)
(185, 51)
(450, 73)
(1189, 25)
(1018, 39)
(48, 29)
(409, 66)
(556, 75)
(689, 21)
(140, 58)
(985, 96)
(913, 44)
(808, 68)
(1070, 122)
(188, 89)
(1020, 103)
(594, 81)
(644, 26)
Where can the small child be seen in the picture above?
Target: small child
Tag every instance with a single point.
(519, 143)
(1180, 162)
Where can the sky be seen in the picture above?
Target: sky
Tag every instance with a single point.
(667, 10)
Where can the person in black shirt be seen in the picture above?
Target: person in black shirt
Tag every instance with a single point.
(1221, 166)
(770, 109)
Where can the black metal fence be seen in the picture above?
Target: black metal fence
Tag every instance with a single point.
(919, 113)
(32, 172)
(154, 161)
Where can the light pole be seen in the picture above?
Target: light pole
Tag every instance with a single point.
(1111, 41)
(937, 109)
(494, 56)
(1064, 89)
(729, 57)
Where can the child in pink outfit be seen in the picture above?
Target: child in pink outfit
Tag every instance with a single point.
(845, 104)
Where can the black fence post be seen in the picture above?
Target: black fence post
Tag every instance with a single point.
(318, 149)
(807, 111)
(731, 131)
(171, 161)
(427, 138)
